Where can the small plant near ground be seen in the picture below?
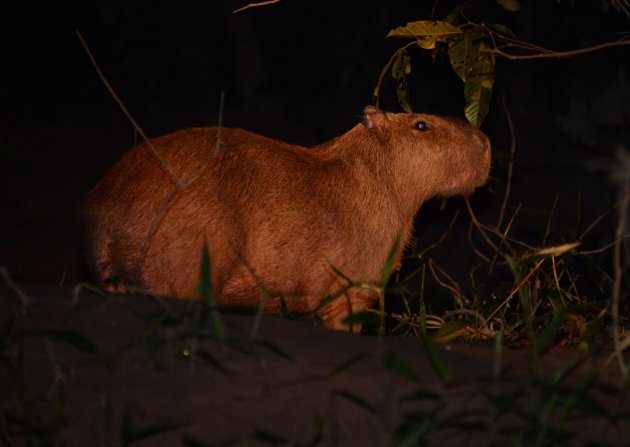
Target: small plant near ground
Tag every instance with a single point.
(560, 292)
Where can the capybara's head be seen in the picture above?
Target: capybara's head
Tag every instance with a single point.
(439, 156)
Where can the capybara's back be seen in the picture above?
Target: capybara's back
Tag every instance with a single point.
(281, 222)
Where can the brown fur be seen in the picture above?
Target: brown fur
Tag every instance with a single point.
(275, 214)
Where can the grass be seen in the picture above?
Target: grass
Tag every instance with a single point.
(553, 294)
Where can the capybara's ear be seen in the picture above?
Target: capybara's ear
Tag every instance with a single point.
(377, 122)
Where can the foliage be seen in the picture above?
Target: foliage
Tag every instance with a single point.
(472, 49)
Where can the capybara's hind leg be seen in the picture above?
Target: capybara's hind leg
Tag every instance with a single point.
(101, 266)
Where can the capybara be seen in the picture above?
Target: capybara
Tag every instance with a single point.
(282, 223)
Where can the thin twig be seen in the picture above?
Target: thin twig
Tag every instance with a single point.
(151, 232)
(471, 312)
(441, 238)
(479, 226)
(178, 189)
(212, 154)
(573, 285)
(503, 241)
(453, 288)
(622, 5)
(157, 155)
(515, 42)
(217, 146)
(58, 376)
(24, 299)
(180, 184)
(508, 186)
(596, 221)
(556, 280)
(618, 272)
(556, 54)
(254, 5)
(478, 252)
(502, 236)
(605, 247)
(386, 67)
(516, 288)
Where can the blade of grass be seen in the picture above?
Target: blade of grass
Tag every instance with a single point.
(429, 347)
(394, 363)
(208, 303)
(358, 401)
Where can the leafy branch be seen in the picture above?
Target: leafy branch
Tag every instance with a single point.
(472, 49)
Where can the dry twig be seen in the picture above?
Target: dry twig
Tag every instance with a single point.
(163, 163)
(618, 272)
(508, 186)
(24, 299)
(254, 5)
(181, 184)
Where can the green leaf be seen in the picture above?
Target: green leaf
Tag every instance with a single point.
(502, 29)
(478, 88)
(456, 15)
(425, 28)
(400, 69)
(401, 66)
(464, 53)
(510, 5)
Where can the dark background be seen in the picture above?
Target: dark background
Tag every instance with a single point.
(300, 71)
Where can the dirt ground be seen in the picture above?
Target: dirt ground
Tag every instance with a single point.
(86, 369)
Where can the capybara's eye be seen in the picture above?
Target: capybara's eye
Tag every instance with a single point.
(420, 125)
